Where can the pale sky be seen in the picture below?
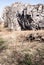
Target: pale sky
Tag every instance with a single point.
(4, 3)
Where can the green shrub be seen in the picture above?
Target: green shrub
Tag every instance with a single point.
(25, 60)
(2, 44)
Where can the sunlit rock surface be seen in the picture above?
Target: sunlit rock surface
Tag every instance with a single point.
(21, 16)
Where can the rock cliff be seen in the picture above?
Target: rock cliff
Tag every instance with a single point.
(21, 16)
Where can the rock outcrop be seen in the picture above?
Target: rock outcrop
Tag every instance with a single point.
(21, 16)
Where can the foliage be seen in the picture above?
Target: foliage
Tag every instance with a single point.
(2, 44)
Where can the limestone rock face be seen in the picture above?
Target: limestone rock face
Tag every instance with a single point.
(20, 16)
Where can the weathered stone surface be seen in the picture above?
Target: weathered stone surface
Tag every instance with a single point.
(40, 8)
(20, 16)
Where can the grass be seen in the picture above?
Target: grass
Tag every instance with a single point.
(2, 44)
(31, 53)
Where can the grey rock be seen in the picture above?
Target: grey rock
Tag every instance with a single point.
(41, 24)
(40, 9)
(21, 16)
